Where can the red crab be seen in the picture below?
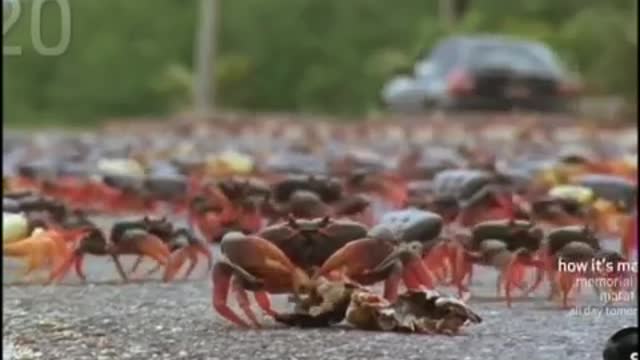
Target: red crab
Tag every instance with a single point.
(231, 205)
(481, 195)
(509, 245)
(276, 260)
(571, 253)
(287, 254)
(390, 187)
(126, 238)
(314, 197)
(184, 247)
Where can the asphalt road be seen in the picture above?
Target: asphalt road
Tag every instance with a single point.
(152, 320)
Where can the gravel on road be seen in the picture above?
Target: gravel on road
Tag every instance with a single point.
(152, 320)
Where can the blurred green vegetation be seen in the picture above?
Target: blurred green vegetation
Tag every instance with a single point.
(134, 57)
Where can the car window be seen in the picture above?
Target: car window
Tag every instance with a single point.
(444, 57)
(513, 56)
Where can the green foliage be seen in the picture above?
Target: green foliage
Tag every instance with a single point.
(129, 58)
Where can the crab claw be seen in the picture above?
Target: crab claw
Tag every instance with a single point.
(378, 258)
(256, 264)
(355, 261)
(75, 258)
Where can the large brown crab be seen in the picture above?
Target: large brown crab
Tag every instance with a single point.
(283, 257)
(276, 260)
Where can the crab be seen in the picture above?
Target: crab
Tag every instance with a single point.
(185, 246)
(126, 193)
(557, 211)
(40, 211)
(577, 246)
(329, 190)
(509, 245)
(42, 247)
(481, 195)
(314, 197)
(30, 175)
(614, 196)
(391, 252)
(182, 243)
(231, 205)
(277, 260)
(126, 238)
(388, 186)
(73, 191)
(159, 227)
(168, 187)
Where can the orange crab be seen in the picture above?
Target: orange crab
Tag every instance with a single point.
(43, 247)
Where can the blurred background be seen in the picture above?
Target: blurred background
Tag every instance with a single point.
(131, 58)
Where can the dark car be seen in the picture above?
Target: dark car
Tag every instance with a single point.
(485, 72)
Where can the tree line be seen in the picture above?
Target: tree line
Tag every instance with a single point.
(131, 58)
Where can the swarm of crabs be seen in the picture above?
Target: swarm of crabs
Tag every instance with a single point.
(323, 212)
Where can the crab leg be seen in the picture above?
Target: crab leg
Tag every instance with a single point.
(243, 301)
(175, 263)
(566, 282)
(136, 264)
(539, 276)
(221, 277)
(154, 248)
(116, 261)
(414, 269)
(193, 261)
(79, 261)
(420, 272)
(33, 262)
(436, 261)
(262, 298)
(513, 275)
(204, 250)
(62, 270)
(462, 269)
(391, 284)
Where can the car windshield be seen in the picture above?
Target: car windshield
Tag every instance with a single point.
(520, 57)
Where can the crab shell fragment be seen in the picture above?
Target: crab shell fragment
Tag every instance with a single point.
(419, 311)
